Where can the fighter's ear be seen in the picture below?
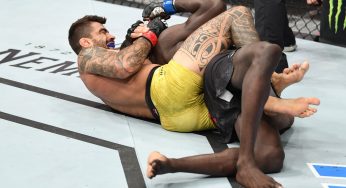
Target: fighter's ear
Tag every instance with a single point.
(85, 42)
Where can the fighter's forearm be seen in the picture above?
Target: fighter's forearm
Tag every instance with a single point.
(108, 63)
(134, 56)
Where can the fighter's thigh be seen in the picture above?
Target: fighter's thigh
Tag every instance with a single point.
(204, 43)
(256, 54)
(241, 61)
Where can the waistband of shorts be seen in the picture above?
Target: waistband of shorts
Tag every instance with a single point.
(148, 100)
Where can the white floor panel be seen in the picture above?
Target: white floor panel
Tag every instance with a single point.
(67, 115)
(69, 85)
(35, 158)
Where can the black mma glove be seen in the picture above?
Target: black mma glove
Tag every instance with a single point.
(159, 9)
(156, 26)
(128, 40)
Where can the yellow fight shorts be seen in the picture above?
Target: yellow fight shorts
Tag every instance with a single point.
(177, 94)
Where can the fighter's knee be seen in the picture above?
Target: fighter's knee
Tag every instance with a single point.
(267, 47)
(277, 161)
(272, 160)
(268, 52)
(275, 50)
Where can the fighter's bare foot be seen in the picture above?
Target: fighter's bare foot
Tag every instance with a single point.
(293, 74)
(251, 177)
(157, 164)
(299, 107)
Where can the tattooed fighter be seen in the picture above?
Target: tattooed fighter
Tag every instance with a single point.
(129, 82)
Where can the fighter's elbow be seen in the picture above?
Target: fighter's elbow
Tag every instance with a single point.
(128, 71)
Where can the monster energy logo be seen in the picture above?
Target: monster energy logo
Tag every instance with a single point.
(339, 6)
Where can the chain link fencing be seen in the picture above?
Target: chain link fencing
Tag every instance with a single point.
(303, 19)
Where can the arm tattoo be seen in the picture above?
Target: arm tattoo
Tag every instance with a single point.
(108, 63)
(235, 25)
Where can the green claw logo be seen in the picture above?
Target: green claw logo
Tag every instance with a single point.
(339, 6)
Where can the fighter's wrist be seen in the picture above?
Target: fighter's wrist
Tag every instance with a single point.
(168, 6)
(151, 37)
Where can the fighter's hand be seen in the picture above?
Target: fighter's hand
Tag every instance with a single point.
(156, 26)
(138, 32)
(314, 2)
(153, 10)
(130, 35)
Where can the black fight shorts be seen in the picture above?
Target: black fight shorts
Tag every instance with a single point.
(222, 100)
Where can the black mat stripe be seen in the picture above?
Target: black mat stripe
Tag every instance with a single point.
(127, 154)
(213, 140)
(56, 94)
(216, 142)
